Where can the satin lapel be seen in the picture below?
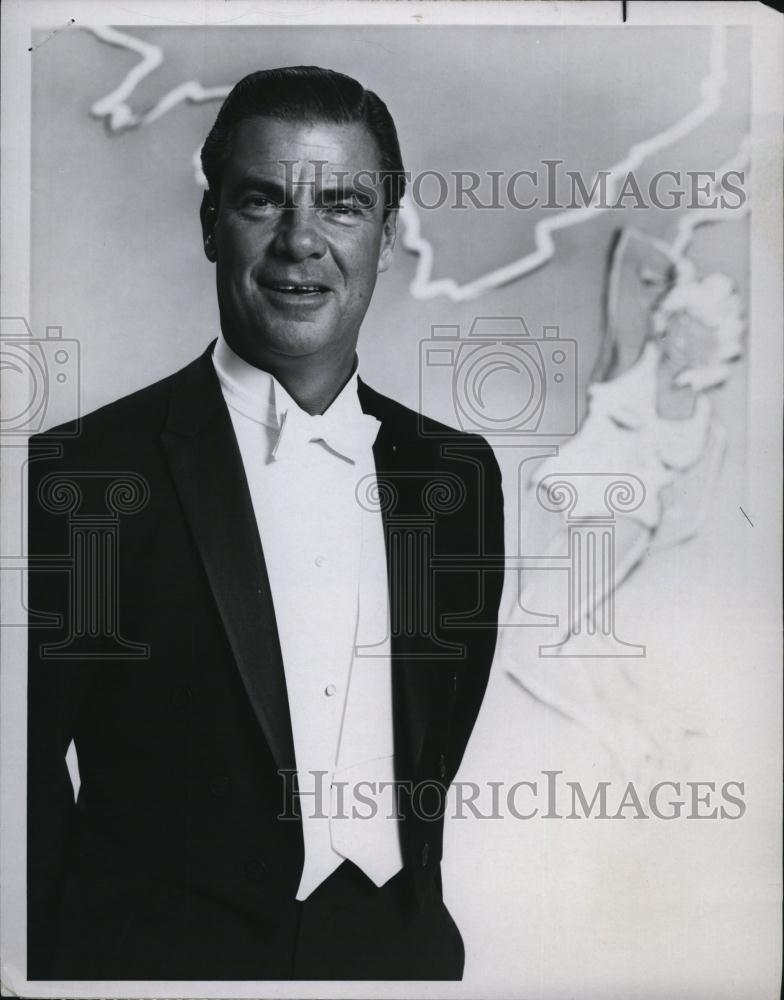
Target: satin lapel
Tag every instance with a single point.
(205, 463)
(411, 688)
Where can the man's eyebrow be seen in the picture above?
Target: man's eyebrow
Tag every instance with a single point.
(259, 182)
(330, 189)
(340, 190)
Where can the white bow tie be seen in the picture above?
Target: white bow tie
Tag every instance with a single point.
(348, 436)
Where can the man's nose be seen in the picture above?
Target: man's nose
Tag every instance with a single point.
(299, 236)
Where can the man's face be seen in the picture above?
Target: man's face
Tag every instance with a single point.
(296, 243)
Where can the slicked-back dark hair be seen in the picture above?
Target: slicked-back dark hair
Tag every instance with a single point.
(306, 94)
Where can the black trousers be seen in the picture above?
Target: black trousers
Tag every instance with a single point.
(347, 929)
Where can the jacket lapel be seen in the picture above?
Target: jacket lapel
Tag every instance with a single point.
(411, 687)
(206, 466)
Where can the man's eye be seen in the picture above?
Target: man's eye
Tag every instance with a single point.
(258, 201)
(342, 208)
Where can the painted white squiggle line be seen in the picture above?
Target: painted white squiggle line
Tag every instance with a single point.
(120, 117)
(692, 219)
(115, 108)
(413, 240)
(676, 252)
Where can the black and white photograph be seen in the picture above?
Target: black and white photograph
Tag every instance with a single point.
(391, 499)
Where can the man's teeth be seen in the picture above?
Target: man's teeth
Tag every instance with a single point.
(298, 288)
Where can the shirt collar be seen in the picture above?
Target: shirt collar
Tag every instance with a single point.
(261, 397)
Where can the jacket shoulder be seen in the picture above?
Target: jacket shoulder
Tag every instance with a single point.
(129, 419)
(416, 430)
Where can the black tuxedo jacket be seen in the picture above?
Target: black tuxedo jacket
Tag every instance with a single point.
(153, 646)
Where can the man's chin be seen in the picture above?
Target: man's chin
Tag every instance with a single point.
(292, 338)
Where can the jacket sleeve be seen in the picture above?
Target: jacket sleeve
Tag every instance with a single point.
(471, 682)
(56, 690)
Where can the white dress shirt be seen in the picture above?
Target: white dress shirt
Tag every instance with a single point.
(326, 561)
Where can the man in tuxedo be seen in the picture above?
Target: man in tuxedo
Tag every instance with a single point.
(271, 651)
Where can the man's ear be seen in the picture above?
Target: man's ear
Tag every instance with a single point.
(387, 241)
(209, 216)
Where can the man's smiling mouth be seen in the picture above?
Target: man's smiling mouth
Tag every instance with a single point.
(287, 288)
